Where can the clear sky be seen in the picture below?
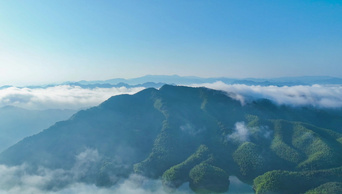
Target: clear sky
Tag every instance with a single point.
(45, 41)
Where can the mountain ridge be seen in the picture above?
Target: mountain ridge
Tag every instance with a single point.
(185, 134)
(159, 80)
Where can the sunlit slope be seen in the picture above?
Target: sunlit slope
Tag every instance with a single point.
(195, 135)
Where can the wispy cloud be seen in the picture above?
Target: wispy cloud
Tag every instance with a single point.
(60, 97)
(16, 180)
(242, 132)
(326, 96)
(191, 129)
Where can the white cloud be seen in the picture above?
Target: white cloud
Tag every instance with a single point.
(22, 180)
(17, 180)
(241, 133)
(84, 161)
(326, 96)
(60, 97)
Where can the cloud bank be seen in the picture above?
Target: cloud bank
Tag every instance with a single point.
(59, 97)
(75, 97)
(21, 180)
(18, 180)
(323, 96)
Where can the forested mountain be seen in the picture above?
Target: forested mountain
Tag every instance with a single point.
(196, 135)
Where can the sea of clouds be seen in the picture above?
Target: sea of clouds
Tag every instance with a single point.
(16, 180)
(75, 97)
(321, 96)
(22, 180)
(59, 97)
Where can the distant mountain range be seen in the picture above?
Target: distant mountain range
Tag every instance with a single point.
(157, 81)
(175, 79)
(196, 135)
(186, 80)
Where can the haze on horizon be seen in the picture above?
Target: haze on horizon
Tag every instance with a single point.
(56, 41)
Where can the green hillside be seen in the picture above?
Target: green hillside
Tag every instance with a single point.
(195, 135)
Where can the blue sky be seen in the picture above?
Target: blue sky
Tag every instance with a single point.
(52, 41)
